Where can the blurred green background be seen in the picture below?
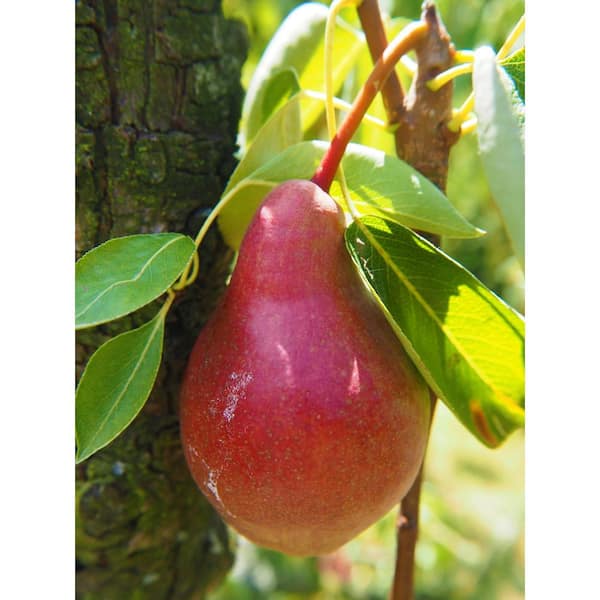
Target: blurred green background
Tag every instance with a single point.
(471, 544)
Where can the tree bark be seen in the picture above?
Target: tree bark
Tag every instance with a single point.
(158, 99)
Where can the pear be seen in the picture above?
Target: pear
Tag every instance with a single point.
(303, 421)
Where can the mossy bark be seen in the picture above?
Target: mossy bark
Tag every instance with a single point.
(157, 104)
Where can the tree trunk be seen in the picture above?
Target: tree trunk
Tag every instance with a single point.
(157, 106)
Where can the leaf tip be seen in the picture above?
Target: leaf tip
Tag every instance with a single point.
(472, 233)
(81, 456)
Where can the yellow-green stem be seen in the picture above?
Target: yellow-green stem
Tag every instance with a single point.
(460, 115)
(464, 56)
(513, 36)
(461, 118)
(446, 76)
(340, 104)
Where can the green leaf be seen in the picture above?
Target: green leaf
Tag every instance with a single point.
(467, 343)
(500, 117)
(126, 273)
(378, 184)
(281, 86)
(236, 216)
(386, 186)
(283, 129)
(116, 384)
(514, 65)
(298, 44)
(296, 162)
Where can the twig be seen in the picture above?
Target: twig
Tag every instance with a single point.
(423, 139)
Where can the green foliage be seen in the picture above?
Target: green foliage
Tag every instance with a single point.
(126, 273)
(298, 45)
(282, 129)
(112, 280)
(490, 258)
(115, 385)
(378, 184)
(480, 22)
(500, 115)
(384, 185)
(451, 325)
(279, 87)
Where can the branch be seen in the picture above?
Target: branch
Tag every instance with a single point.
(392, 93)
(423, 139)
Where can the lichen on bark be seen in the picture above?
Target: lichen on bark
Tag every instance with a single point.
(158, 98)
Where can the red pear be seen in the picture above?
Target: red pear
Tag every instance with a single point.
(303, 421)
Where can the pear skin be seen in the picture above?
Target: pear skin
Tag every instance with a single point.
(303, 420)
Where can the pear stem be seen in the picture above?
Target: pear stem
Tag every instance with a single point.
(405, 41)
